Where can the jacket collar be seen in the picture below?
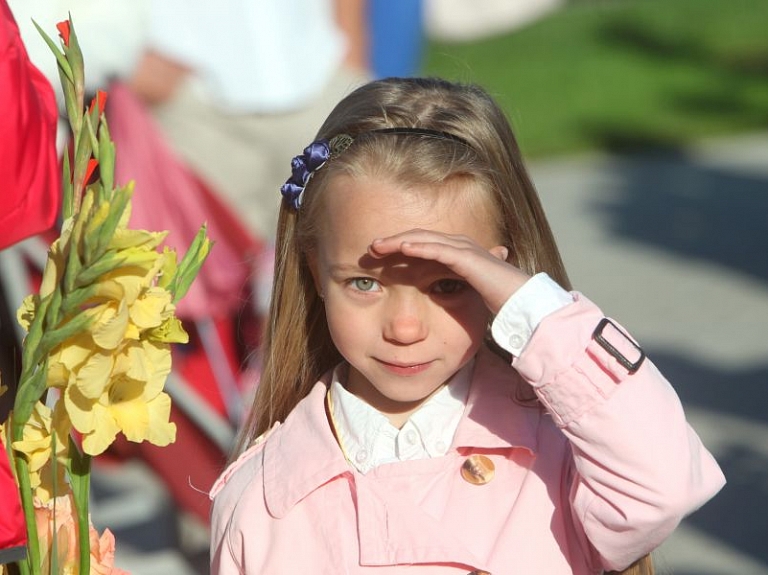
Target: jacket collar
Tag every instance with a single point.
(491, 420)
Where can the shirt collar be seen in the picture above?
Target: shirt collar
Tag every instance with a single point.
(362, 428)
(492, 419)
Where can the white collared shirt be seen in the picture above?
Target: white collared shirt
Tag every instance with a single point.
(369, 439)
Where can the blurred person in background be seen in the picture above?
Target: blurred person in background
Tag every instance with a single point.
(237, 86)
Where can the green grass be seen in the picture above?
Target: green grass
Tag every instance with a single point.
(623, 74)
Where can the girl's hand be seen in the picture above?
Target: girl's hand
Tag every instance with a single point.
(486, 270)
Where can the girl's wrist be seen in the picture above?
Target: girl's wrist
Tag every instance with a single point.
(524, 310)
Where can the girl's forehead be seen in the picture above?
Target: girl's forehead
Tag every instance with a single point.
(358, 210)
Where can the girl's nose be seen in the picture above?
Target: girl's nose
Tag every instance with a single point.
(405, 320)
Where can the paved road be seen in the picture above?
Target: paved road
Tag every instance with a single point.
(675, 245)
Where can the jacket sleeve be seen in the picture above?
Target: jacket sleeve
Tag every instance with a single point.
(30, 193)
(638, 468)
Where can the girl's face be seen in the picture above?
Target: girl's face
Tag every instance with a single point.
(405, 325)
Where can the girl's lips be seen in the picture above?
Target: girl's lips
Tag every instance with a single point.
(400, 369)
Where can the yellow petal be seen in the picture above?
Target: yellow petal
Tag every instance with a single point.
(109, 289)
(61, 427)
(57, 376)
(26, 312)
(170, 331)
(127, 238)
(54, 268)
(132, 332)
(132, 283)
(129, 409)
(151, 308)
(73, 352)
(80, 409)
(111, 325)
(168, 270)
(36, 452)
(96, 442)
(92, 377)
(161, 431)
(36, 438)
(138, 363)
(159, 357)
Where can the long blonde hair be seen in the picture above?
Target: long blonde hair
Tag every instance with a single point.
(297, 347)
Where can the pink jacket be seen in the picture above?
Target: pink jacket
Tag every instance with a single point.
(595, 476)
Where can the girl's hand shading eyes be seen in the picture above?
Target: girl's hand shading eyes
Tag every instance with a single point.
(486, 270)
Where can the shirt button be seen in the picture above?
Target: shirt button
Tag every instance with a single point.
(440, 447)
(516, 341)
(411, 437)
(361, 456)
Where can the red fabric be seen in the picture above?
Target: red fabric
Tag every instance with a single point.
(30, 192)
(13, 532)
(29, 197)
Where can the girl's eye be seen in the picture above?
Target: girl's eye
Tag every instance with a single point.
(365, 284)
(448, 286)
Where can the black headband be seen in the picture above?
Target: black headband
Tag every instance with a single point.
(320, 151)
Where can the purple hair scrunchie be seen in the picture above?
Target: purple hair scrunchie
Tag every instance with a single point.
(302, 167)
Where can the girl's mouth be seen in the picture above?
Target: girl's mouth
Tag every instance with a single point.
(405, 369)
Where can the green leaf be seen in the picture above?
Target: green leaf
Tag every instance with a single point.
(27, 395)
(66, 180)
(190, 264)
(119, 202)
(106, 157)
(92, 133)
(63, 64)
(54, 337)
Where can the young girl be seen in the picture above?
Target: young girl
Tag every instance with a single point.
(433, 399)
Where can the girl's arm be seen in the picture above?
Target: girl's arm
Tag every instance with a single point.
(637, 468)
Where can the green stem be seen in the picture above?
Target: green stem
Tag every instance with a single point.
(32, 564)
(80, 475)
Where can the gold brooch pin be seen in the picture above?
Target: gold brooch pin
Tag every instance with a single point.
(478, 470)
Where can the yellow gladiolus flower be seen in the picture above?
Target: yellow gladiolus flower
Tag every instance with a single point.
(67, 359)
(132, 403)
(36, 445)
(46, 434)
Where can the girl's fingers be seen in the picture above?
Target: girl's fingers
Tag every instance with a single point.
(393, 244)
(486, 270)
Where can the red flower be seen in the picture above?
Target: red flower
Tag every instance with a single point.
(100, 100)
(63, 28)
(92, 163)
